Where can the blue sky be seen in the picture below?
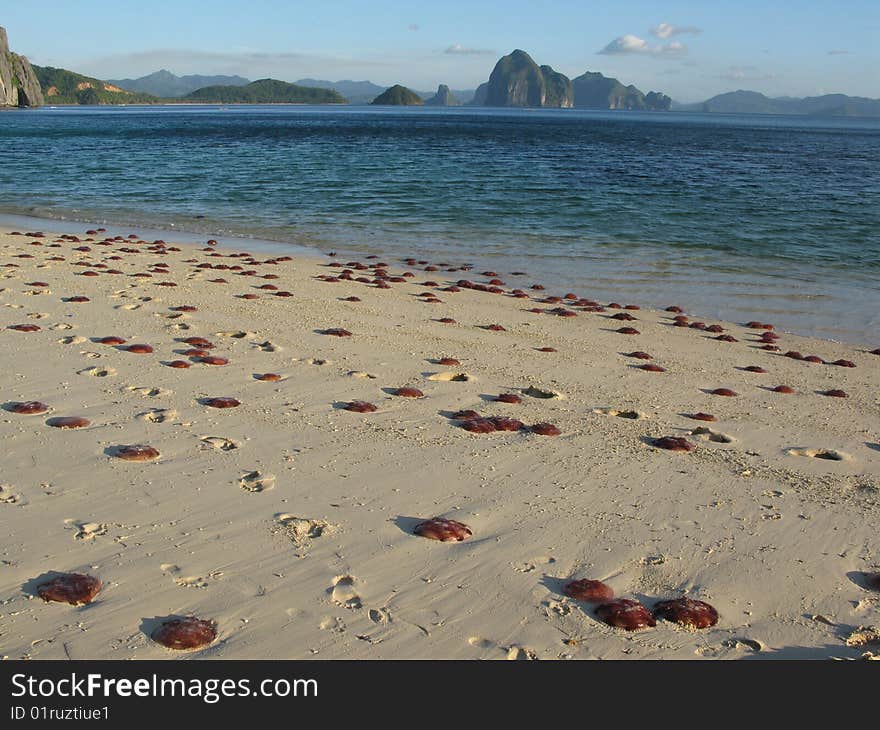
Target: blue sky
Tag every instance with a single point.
(690, 50)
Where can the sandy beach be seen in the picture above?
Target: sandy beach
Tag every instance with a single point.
(288, 520)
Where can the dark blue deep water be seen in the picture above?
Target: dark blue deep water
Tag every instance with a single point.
(728, 215)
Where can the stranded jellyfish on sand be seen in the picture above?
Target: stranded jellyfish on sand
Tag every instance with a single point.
(502, 423)
(213, 360)
(674, 443)
(626, 613)
(139, 349)
(136, 452)
(439, 528)
(179, 364)
(783, 389)
(726, 392)
(652, 368)
(546, 349)
(628, 331)
(638, 355)
(221, 403)
(835, 393)
(508, 398)
(687, 612)
(359, 406)
(702, 417)
(545, 429)
(111, 341)
(76, 589)
(24, 327)
(754, 369)
(185, 633)
(478, 425)
(409, 393)
(68, 422)
(336, 332)
(591, 591)
(465, 415)
(268, 377)
(449, 361)
(28, 408)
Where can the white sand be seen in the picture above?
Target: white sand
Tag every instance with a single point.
(773, 540)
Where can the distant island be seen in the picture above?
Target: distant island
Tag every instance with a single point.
(398, 95)
(516, 81)
(264, 91)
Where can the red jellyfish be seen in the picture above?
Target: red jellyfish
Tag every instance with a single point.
(627, 614)
(76, 589)
(591, 591)
(137, 452)
(674, 443)
(439, 528)
(687, 612)
(185, 633)
(409, 393)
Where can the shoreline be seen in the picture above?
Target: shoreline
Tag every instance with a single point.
(751, 296)
(289, 520)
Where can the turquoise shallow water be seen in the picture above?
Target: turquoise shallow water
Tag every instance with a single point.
(731, 216)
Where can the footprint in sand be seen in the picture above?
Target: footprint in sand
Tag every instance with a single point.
(197, 581)
(147, 392)
(332, 623)
(77, 340)
(512, 653)
(344, 592)
(169, 568)
(480, 643)
(267, 346)
(360, 374)
(633, 415)
(381, 616)
(170, 315)
(129, 307)
(521, 654)
(37, 315)
(317, 361)
(707, 434)
(158, 415)
(7, 496)
(14, 306)
(179, 327)
(98, 372)
(219, 443)
(87, 530)
(451, 377)
(256, 481)
(236, 334)
(827, 454)
(543, 393)
(63, 326)
(302, 530)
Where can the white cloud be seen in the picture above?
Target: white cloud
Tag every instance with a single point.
(630, 44)
(667, 30)
(744, 73)
(456, 49)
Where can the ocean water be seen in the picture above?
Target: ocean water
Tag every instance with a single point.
(735, 217)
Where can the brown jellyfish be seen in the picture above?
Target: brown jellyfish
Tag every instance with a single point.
(24, 327)
(28, 408)
(465, 415)
(508, 398)
(178, 364)
(726, 392)
(359, 406)
(439, 528)
(815, 359)
(783, 389)
(546, 349)
(213, 360)
(626, 613)
(448, 361)
(835, 393)
(674, 443)
(494, 328)
(139, 349)
(754, 369)
(112, 340)
(77, 589)
(591, 591)
(502, 423)
(794, 355)
(136, 452)
(478, 425)
(68, 422)
(844, 363)
(268, 377)
(652, 368)
(337, 332)
(447, 320)
(221, 403)
(628, 331)
(545, 429)
(687, 612)
(702, 416)
(185, 633)
(638, 355)
(199, 342)
(408, 392)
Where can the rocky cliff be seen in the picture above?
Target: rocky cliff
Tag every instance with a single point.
(595, 91)
(443, 97)
(18, 83)
(517, 81)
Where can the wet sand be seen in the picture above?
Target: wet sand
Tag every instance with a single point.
(289, 521)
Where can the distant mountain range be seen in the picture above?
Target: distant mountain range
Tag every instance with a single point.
(753, 102)
(166, 85)
(66, 87)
